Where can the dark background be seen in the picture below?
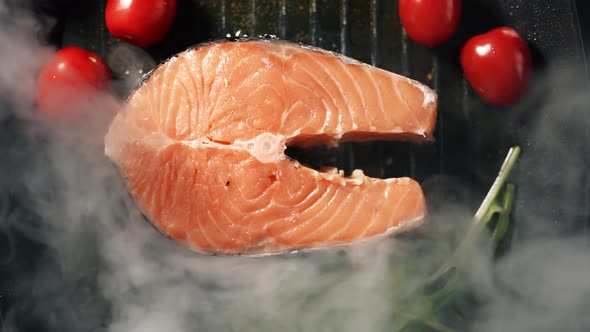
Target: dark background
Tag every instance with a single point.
(471, 137)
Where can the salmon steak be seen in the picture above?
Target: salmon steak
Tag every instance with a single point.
(201, 145)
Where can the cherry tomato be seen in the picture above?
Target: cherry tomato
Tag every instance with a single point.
(71, 76)
(142, 23)
(498, 65)
(430, 22)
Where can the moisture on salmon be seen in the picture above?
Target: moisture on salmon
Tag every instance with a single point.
(202, 147)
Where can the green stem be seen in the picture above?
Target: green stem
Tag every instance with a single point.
(483, 214)
(492, 195)
(504, 218)
(446, 290)
(490, 206)
(427, 322)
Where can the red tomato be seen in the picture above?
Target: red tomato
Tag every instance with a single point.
(430, 22)
(71, 76)
(498, 65)
(142, 23)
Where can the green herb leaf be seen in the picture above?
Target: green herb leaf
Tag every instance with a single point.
(446, 287)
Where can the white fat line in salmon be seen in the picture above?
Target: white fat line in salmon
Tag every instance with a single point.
(266, 147)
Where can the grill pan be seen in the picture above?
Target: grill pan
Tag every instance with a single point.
(471, 136)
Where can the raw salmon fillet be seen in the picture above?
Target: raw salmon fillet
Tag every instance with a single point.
(201, 144)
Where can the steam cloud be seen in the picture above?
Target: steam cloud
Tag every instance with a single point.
(80, 257)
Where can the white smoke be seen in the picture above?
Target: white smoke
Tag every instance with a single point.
(100, 266)
(543, 285)
(82, 258)
(22, 56)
